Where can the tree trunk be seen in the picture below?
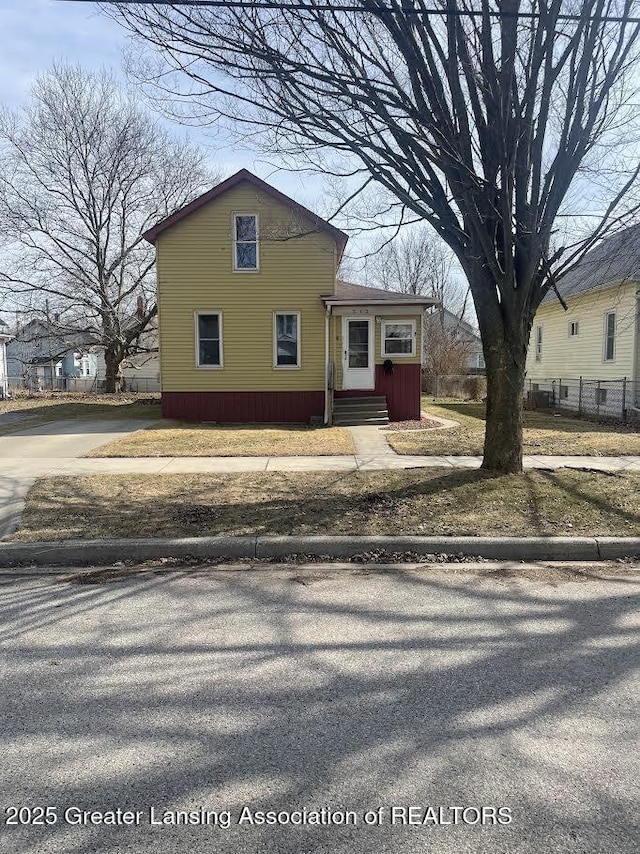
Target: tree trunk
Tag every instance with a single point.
(503, 434)
(113, 372)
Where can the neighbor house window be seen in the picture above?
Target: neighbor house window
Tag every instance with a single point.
(286, 339)
(208, 339)
(538, 343)
(479, 360)
(398, 338)
(245, 242)
(610, 336)
(573, 328)
(84, 366)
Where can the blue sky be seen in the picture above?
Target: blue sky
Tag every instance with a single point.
(35, 33)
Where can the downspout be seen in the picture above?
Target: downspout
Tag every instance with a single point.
(326, 364)
(635, 367)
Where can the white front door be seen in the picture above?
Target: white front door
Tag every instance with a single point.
(358, 364)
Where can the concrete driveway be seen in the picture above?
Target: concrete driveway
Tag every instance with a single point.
(22, 455)
(288, 689)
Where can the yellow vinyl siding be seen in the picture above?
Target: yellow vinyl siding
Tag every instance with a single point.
(583, 354)
(337, 346)
(195, 273)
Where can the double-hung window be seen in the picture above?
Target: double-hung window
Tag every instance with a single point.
(610, 336)
(398, 338)
(245, 242)
(208, 339)
(286, 339)
(538, 343)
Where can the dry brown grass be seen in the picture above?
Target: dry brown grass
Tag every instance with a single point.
(172, 439)
(420, 502)
(544, 433)
(22, 412)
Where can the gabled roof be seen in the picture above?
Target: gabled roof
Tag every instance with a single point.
(348, 293)
(244, 175)
(616, 259)
(455, 321)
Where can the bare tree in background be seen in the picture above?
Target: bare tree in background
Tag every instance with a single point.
(83, 172)
(477, 120)
(418, 262)
(414, 262)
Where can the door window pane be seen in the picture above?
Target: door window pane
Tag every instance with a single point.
(358, 343)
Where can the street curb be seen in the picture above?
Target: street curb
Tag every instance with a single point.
(108, 552)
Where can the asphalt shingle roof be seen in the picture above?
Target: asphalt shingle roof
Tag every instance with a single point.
(614, 260)
(348, 290)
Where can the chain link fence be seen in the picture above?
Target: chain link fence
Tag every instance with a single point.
(612, 400)
(85, 385)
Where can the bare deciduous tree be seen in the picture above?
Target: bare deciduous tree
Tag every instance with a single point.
(418, 262)
(448, 343)
(414, 263)
(83, 172)
(477, 119)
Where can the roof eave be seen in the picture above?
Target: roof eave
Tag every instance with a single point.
(423, 301)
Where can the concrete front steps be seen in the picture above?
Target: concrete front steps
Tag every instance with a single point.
(359, 411)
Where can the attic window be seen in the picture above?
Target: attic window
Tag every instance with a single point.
(245, 242)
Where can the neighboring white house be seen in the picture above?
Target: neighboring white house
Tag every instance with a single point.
(4, 337)
(588, 357)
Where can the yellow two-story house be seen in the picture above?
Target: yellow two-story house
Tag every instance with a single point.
(254, 325)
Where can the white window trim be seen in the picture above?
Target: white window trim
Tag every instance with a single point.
(196, 314)
(604, 336)
(276, 366)
(237, 269)
(538, 355)
(383, 340)
(570, 324)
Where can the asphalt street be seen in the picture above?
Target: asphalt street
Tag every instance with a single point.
(223, 693)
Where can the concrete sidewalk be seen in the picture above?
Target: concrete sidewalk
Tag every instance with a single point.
(48, 466)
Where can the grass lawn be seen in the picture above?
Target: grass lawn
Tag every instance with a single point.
(173, 439)
(420, 502)
(544, 433)
(21, 413)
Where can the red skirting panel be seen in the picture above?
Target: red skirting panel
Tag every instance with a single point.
(243, 407)
(401, 388)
